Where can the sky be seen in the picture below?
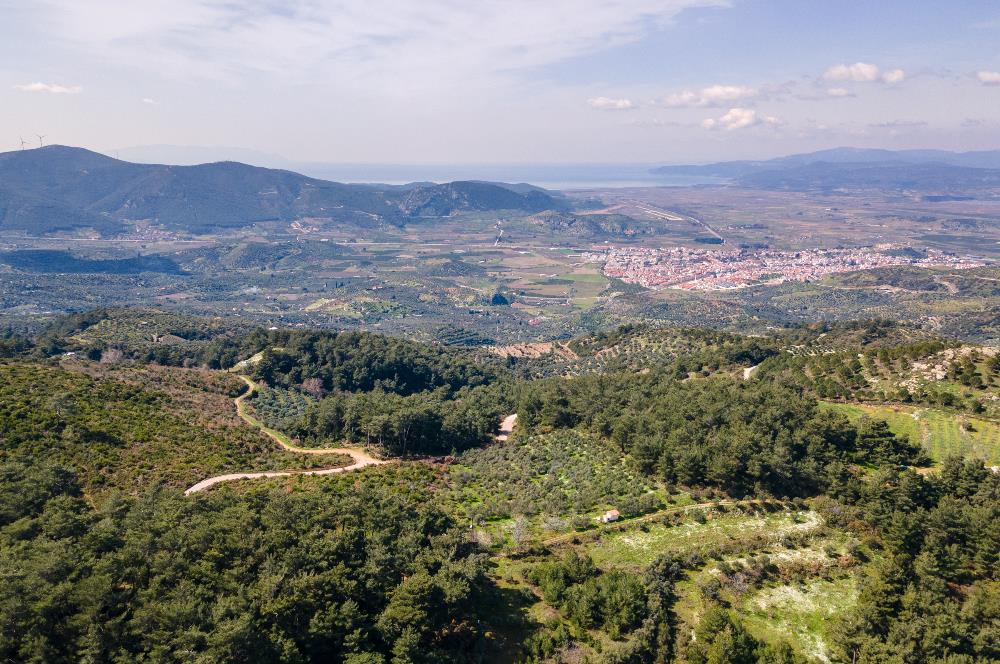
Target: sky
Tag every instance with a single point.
(514, 81)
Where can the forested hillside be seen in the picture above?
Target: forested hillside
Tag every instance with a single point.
(359, 570)
(742, 438)
(130, 429)
(686, 496)
(59, 188)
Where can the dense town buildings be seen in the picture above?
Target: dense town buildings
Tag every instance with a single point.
(700, 269)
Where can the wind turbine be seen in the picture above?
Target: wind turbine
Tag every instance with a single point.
(41, 137)
(23, 142)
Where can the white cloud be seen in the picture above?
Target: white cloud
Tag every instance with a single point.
(859, 71)
(51, 88)
(609, 104)
(373, 44)
(147, 100)
(864, 72)
(713, 95)
(988, 77)
(739, 118)
(893, 76)
(839, 92)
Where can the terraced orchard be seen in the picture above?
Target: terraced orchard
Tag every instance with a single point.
(782, 571)
(801, 611)
(565, 473)
(792, 578)
(702, 532)
(940, 432)
(638, 347)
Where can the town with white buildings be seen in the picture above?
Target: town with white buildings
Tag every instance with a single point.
(705, 269)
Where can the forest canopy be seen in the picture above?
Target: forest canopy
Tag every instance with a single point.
(655, 492)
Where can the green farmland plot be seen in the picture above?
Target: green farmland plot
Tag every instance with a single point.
(637, 548)
(940, 432)
(801, 612)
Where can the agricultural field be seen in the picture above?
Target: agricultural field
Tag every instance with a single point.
(569, 477)
(507, 278)
(790, 590)
(787, 220)
(278, 407)
(801, 612)
(781, 569)
(702, 532)
(941, 433)
(639, 347)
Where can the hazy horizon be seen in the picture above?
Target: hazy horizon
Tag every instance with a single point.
(556, 176)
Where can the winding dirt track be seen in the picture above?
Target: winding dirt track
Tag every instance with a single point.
(360, 457)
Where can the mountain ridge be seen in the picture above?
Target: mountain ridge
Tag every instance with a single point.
(857, 168)
(64, 188)
(973, 159)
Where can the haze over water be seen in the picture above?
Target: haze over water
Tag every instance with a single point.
(549, 176)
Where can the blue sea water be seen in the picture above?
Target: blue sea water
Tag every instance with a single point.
(550, 176)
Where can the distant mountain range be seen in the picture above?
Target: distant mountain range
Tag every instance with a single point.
(64, 188)
(856, 168)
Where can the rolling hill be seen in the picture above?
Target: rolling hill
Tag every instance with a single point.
(58, 188)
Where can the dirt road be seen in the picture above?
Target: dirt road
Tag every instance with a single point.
(218, 479)
(506, 427)
(360, 457)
